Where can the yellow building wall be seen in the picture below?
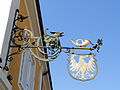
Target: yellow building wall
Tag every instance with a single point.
(14, 66)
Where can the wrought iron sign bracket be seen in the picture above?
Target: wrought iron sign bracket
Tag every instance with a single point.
(23, 38)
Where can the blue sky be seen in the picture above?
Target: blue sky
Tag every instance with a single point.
(85, 19)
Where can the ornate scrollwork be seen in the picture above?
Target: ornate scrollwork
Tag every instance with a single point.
(81, 69)
(51, 41)
(16, 37)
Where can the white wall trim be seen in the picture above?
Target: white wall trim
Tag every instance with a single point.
(4, 79)
(14, 5)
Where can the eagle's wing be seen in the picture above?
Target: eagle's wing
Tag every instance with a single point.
(72, 63)
(77, 66)
(91, 66)
(81, 65)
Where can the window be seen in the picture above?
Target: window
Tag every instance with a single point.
(27, 71)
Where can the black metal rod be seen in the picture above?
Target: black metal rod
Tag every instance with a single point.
(84, 48)
(83, 53)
